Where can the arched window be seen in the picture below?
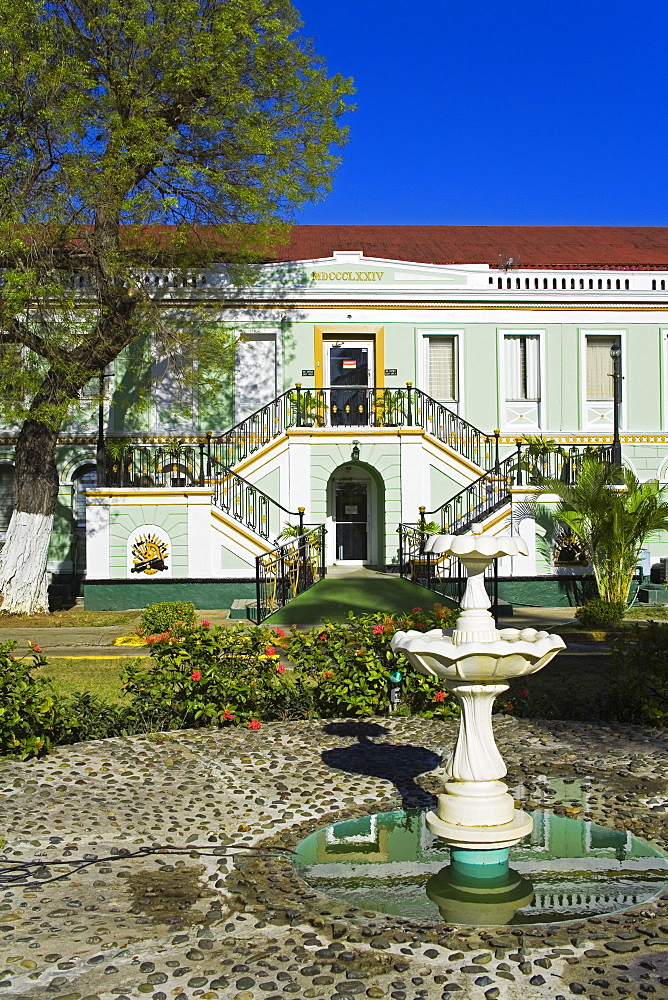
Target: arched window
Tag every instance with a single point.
(84, 477)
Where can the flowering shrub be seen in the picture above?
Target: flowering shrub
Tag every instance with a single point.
(203, 676)
(32, 715)
(158, 618)
(349, 667)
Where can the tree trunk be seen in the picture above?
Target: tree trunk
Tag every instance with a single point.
(23, 581)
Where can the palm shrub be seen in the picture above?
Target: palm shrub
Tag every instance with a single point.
(612, 514)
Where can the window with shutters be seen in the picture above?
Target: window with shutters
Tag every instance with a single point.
(599, 366)
(522, 367)
(442, 375)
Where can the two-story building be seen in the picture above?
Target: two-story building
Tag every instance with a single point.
(380, 369)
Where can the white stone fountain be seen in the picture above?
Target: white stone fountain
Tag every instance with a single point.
(476, 814)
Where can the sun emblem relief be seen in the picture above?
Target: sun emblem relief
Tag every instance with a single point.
(149, 553)
(569, 551)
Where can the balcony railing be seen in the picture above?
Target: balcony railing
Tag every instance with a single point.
(184, 466)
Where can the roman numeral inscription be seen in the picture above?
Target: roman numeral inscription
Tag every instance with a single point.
(347, 275)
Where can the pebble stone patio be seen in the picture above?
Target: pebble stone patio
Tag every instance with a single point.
(201, 923)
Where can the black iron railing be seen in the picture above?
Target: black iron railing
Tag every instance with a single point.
(528, 465)
(183, 466)
(438, 572)
(288, 570)
(352, 406)
(491, 491)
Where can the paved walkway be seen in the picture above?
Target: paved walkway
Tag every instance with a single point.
(178, 885)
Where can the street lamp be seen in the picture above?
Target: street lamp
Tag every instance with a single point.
(615, 354)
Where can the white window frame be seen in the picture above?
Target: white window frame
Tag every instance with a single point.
(503, 380)
(664, 377)
(598, 332)
(424, 336)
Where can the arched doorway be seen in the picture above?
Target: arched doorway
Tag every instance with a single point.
(355, 508)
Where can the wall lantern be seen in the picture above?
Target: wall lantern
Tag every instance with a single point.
(355, 453)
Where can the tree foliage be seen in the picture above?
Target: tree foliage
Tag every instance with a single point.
(135, 135)
(118, 119)
(612, 514)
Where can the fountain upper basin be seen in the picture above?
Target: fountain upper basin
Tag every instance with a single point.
(511, 653)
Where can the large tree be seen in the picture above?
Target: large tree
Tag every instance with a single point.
(134, 134)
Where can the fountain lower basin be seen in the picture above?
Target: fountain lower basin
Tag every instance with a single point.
(568, 869)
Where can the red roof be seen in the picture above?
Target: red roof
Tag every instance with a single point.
(606, 247)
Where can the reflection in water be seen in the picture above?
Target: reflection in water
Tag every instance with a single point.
(567, 869)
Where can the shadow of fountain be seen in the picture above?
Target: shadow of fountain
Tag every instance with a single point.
(400, 765)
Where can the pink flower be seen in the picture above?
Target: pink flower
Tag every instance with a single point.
(205, 623)
(37, 649)
(196, 675)
(377, 629)
(280, 669)
(254, 724)
(439, 696)
(280, 633)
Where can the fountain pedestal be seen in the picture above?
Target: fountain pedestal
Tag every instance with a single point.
(476, 813)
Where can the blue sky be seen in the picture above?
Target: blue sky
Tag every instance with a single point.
(482, 113)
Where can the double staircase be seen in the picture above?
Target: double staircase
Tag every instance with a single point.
(285, 570)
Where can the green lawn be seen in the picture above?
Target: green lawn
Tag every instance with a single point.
(74, 618)
(332, 599)
(658, 612)
(101, 676)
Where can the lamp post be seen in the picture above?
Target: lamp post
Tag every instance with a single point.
(615, 354)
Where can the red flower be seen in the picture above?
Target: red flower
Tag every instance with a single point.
(151, 640)
(205, 623)
(280, 633)
(227, 714)
(524, 693)
(329, 673)
(280, 669)
(36, 649)
(323, 635)
(439, 696)
(509, 706)
(416, 609)
(196, 675)
(377, 629)
(254, 724)
(270, 651)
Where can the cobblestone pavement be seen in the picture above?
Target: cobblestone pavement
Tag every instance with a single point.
(219, 921)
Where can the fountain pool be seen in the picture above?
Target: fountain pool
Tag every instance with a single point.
(567, 869)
